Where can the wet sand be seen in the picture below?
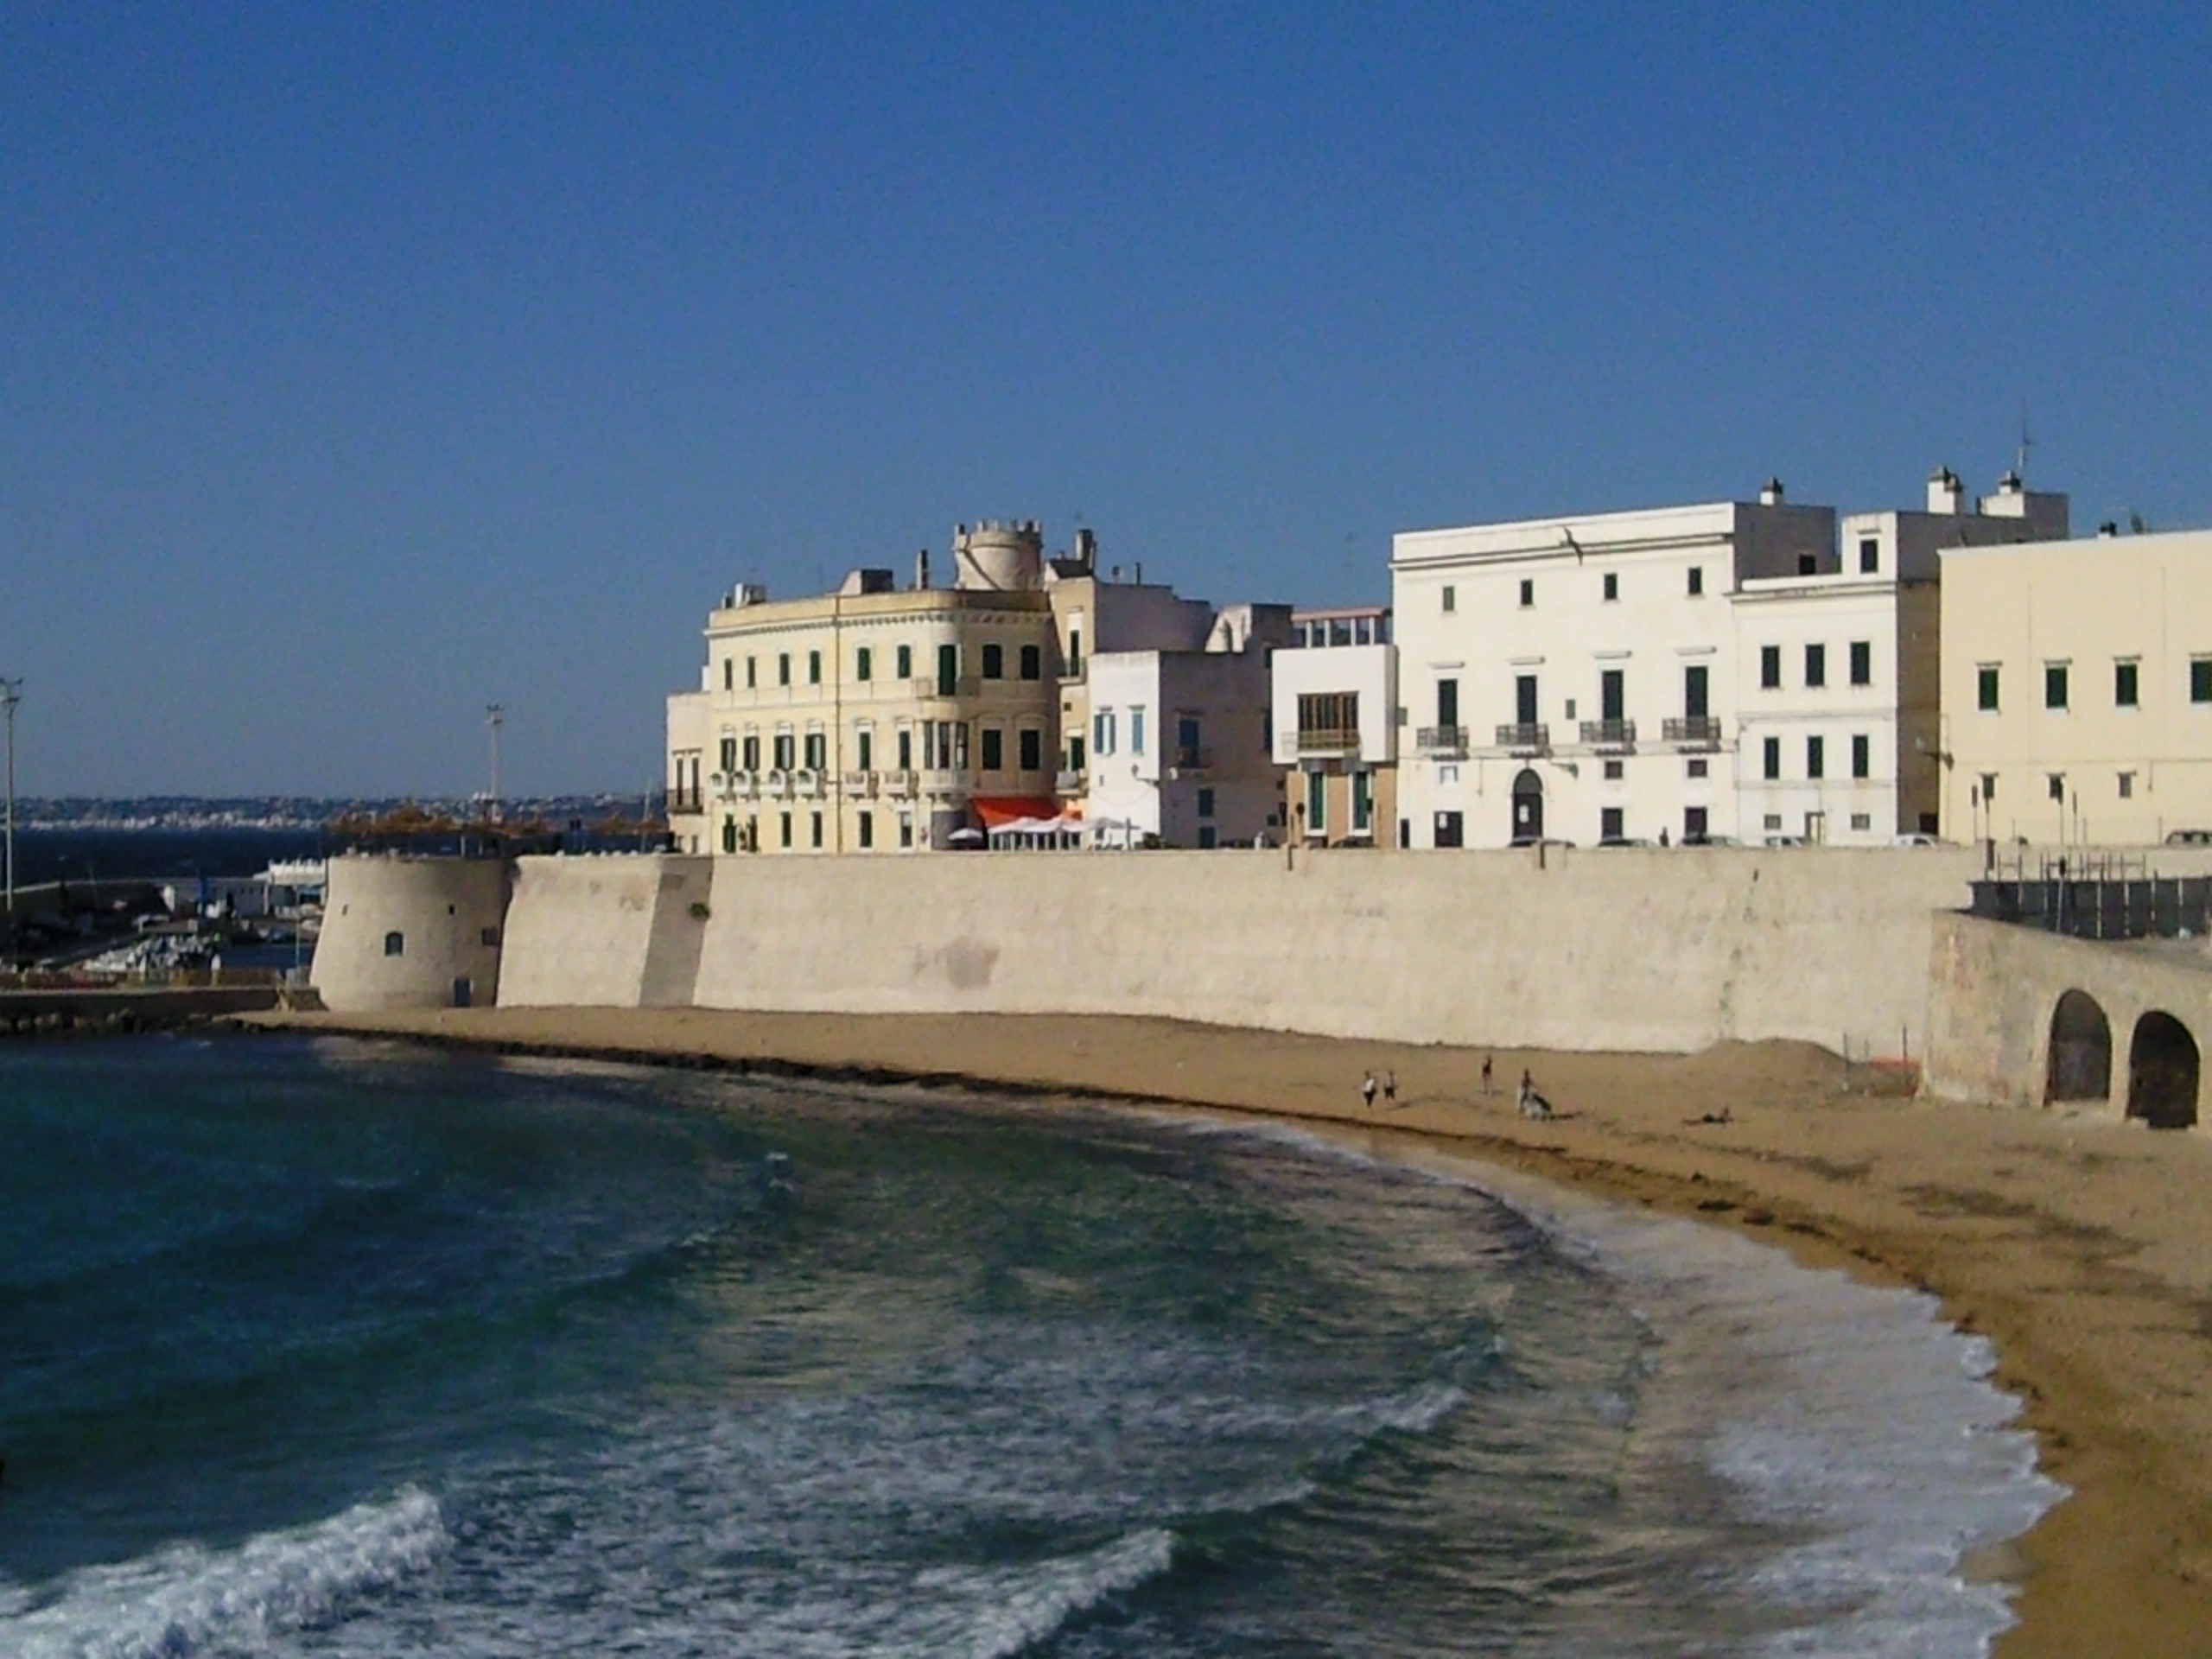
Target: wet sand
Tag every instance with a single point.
(2082, 1247)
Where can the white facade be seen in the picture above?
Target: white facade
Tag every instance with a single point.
(1735, 670)
(1572, 677)
(1335, 693)
(1178, 746)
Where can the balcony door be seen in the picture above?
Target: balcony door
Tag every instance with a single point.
(1694, 693)
(1524, 699)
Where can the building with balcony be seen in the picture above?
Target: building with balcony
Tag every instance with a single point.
(1335, 700)
(876, 718)
(2076, 691)
(1727, 671)
(1572, 677)
(1179, 745)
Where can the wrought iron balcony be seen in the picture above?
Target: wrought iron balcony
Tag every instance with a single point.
(1693, 728)
(1528, 736)
(1609, 734)
(1441, 740)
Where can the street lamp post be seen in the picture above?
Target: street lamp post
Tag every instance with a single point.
(12, 693)
(495, 715)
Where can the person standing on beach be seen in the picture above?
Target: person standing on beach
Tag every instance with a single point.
(1390, 1088)
(1367, 1091)
(1486, 1085)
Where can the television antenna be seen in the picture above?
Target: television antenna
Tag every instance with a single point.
(495, 715)
(2027, 442)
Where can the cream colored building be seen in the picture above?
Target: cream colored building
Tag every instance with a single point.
(1336, 726)
(2077, 691)
(876, 718)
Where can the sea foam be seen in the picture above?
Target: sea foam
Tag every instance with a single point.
(185, 1599)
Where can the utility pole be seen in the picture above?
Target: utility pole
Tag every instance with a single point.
(495, 715)
(12, 693)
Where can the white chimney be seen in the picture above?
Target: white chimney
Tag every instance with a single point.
(1945, 493)
(1772, 495)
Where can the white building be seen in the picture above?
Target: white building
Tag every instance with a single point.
(1727, 670)
(1572, 677)
(1336, 726)
(1179, 740)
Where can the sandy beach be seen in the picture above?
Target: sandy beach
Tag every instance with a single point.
(2080, 1246)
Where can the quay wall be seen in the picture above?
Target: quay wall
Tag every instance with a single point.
(1656, 949)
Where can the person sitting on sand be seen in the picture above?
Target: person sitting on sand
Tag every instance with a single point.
(1532, 1104)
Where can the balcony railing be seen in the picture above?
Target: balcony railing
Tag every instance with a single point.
(1441, 740)
(859, 785)
(941, 780)
(1608, 733)
(899, 785)
(1070, 783)
(1187, 759)
(1693, 729)
(1328, 740)
(1526, 736)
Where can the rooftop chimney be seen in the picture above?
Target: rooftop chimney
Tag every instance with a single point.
(922, 568)
(1945, 493)
(1772, 495)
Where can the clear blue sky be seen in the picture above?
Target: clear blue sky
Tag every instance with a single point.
(360, 366)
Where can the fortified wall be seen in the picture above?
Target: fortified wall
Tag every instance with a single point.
(1657, 950)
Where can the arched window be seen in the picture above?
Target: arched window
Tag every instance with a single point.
(395, 944)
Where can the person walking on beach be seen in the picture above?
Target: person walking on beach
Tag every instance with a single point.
(1367, 1091)
(1390, 1088)
(1486, 1084)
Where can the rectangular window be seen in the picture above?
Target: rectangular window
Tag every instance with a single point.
(1187, 742)
(817, 750)
(729, 835)
(2054, 685)
(1074, 754)
(906, 748)
(1771, 821)
(1524, 699)
(994, 662)
(751, 752)
(2127, 786)
(1206, 803)
(1816, 665)
(1528, 593)
(1695, 769)
(1988, 787)
(1329, 717)
(1136, 729)
(959, 732)
(783, 668)
(906, 829)
(1613, 695)
(1074, 647)
(1362, 801)
(865, 827)
(1611, 823)
(864, 749)
(1816, 757)
(1862, 821)
(1447, 703)
(948, 670)
(1870, 556)
(1451, 598)
(1033, 749)
(1694, 820)
(1862, 756)
(787, 818)
(905, 661)
(1771, 752)
(729, 674)
(1612, 585)
(2124, 695)
(994, 749)
(728, 754)
(1809, 564)
(786, 750)
(1615, 771)
(1102, 732)
(1769, 667)
(815, 833)
(2200, 679)
(1697, 579)
(753, 673)
(1317, 802)
(864, 664)
(2055, 785)
(1032, 662)
(814, 668)
(1985, 687)
(1862, 661)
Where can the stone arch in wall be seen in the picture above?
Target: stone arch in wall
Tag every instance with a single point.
(2162, 1068)
(1528, 806)
(2080, 1067)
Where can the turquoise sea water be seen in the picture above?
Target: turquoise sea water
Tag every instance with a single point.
(318, 1347)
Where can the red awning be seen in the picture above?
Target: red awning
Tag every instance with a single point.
(995, 809)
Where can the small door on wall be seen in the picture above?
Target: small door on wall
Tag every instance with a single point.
(1528, 806)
